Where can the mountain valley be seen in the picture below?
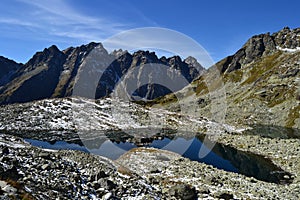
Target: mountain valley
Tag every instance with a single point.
(245, 109)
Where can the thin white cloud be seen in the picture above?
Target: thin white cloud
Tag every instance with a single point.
(56, 19)
(59, 22)
(17, 22)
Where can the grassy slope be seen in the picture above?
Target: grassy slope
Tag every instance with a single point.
(262, 92)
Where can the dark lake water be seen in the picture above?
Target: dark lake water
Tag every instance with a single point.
(222, 156)
(274, 131)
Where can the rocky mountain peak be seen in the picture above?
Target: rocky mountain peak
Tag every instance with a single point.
(188, 67)
(53, 73)
(119, 52)
(261, 45)
(91, 46)
(51, 54)
(174, 60)
(145, 57)
(85, 49)
(257, 46)
(287, 38)
(191, 61)
(52, 49)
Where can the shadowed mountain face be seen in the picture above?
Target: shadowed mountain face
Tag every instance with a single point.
(53, 73)
(8, 69)
(261, 79)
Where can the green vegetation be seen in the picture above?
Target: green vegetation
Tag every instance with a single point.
(293, 115)
(279, 95)
(170, 98)
(60, 86)
(260, 68)
(201, 87)
(235, 76)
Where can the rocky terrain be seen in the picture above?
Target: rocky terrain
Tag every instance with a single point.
(261, 83)
(64, 119)
(28, 172)
(54, 73)
(248, 103)
(157, 174)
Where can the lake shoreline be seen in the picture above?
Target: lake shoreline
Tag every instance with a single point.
(165, 174)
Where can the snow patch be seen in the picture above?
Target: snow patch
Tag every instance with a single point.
(288, 49)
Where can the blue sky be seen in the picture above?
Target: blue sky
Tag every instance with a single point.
(221, 27)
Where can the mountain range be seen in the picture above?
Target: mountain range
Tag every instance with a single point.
(261, 79)
(244, 111)
(53, 73)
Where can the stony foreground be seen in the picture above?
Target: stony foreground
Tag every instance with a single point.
(31, 173)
